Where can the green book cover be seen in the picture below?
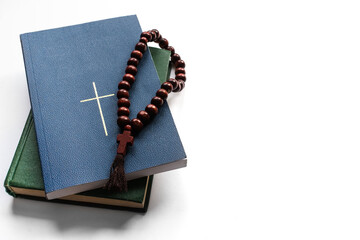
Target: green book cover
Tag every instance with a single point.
(24, 177)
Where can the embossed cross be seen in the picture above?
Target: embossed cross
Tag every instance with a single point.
(97, 98)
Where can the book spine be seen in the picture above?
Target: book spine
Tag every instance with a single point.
(37, 114)
(18, 152)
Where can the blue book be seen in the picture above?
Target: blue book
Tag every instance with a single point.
(72, 75)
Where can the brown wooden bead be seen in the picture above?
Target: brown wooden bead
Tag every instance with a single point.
(180, 76)
(131, 70)
(171, 49)
(153, 35)
(122, 121)
(124, 85)
(133, 61)
(157, 33)
(167, 86)
(180, 70)
(164, 43)
(147, 35)
(129, 78)
(152, 110)
(181, 85)
(136, 125)
(175, 57)
(178, 89)
(158, 39)
(123, 111)
(179, 64)
(144, 117)
(143, 40)
(157, 101)
(173, 82)
(137, 54)
(122, 93)
(141, 47)
(162, 93)
(127, 127)
(123, 102)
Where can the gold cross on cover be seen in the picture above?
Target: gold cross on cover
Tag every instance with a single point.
(97, 98)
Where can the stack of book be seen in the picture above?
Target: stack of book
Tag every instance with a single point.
(69, 139)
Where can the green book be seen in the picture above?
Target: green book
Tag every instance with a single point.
(24, 178)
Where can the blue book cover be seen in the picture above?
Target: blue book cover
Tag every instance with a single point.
(72, 75)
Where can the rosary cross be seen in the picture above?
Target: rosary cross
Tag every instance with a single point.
(124, 139)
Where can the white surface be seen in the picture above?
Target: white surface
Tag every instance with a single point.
(270, 120)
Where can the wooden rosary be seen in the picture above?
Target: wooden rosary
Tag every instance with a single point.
(117, 180)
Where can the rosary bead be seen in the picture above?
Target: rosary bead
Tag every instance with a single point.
(173, 82)
(179, 70)
(158, 39)
(144, 40)
(175, 57)
(123, 102)
(137, 54)
(143, 116)
(136, 125)
(153, 35)
(164, 43)
(122, 121)
(147, 35)
(181, 85)
(152, 110)
(167, 86)
(171, 49)
(157, 101)
(180, 76)
(124, 85)
(178, 89)
(162, 93)
(141, 47)
(129, 78)
(122, 93)
(157, 33)
(127, 128)
(179, 64)
(123, 111)
(131, 70)
(133, 61)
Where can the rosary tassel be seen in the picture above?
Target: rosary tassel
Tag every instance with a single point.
(117, 180)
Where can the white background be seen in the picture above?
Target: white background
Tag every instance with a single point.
(270, 121)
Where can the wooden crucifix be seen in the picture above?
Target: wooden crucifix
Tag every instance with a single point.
(124, 139)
